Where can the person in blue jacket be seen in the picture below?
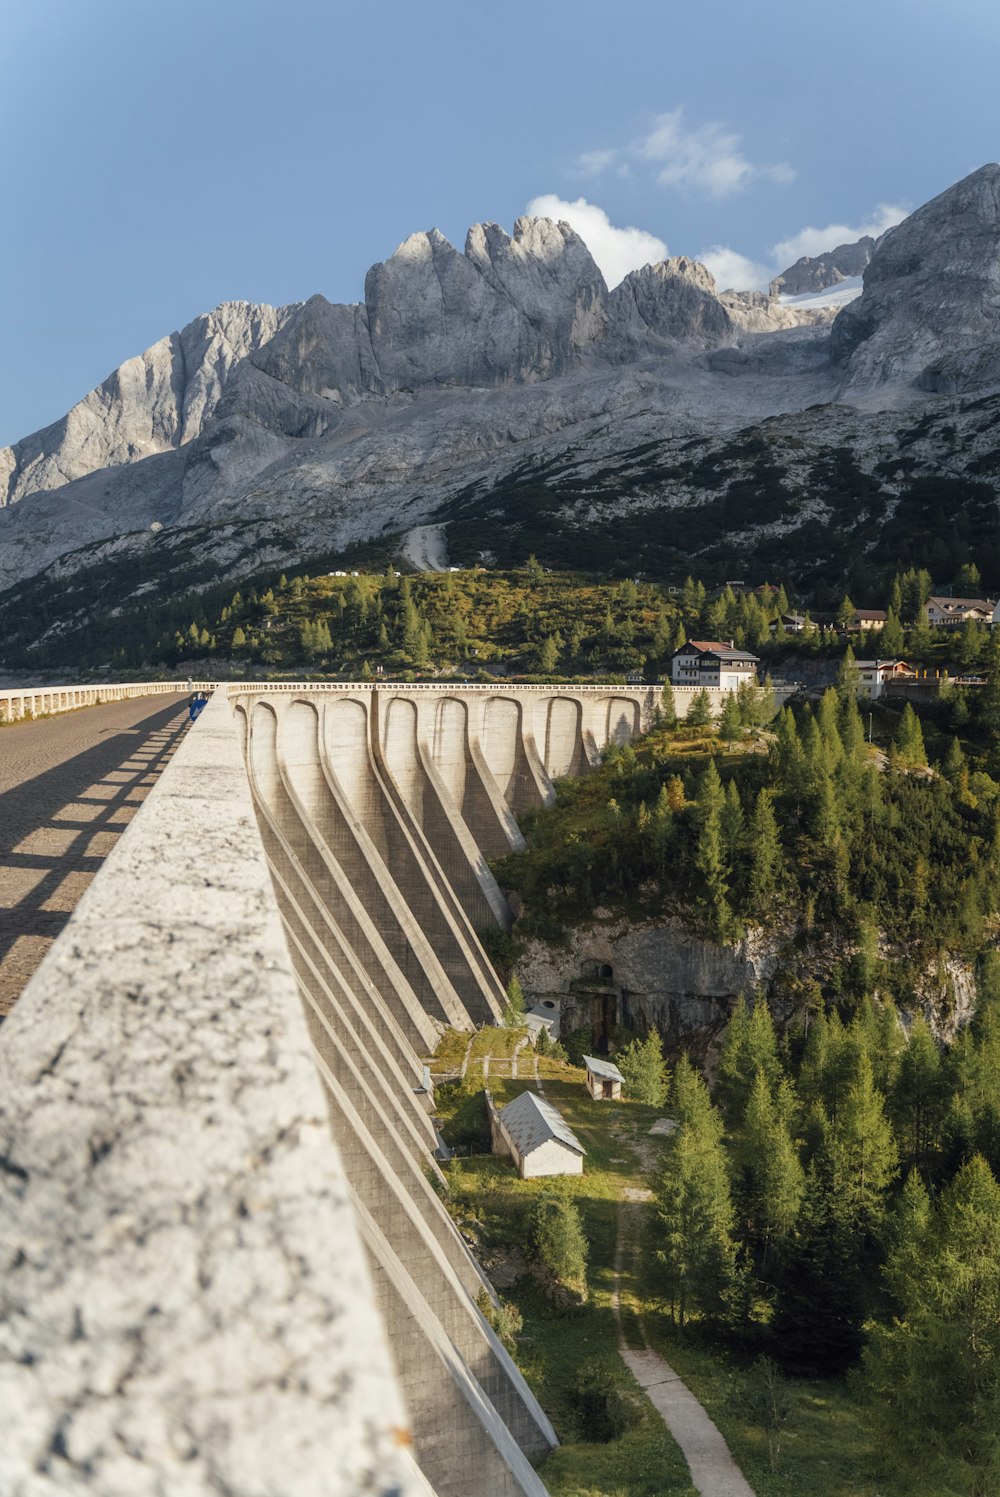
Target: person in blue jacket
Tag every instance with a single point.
(196, 705)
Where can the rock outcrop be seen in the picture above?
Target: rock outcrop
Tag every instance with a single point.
(672, 303)
(930, 309)
(157, 401)
(818, 272)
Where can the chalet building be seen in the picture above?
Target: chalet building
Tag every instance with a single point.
(875, 675)
(604, 1080)
(951, 613)
(709, 663)
(867, 618)
(792, 623)
(535, 1135)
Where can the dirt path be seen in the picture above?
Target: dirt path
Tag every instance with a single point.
(713, 1470)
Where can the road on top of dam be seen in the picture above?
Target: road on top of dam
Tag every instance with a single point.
(69, 785)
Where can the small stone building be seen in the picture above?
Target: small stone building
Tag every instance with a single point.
(604, 1080)
(534, 1134)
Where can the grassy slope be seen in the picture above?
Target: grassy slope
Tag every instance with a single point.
(826, 1448)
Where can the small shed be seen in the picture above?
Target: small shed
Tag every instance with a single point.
(535, 1135)
(604, 1080)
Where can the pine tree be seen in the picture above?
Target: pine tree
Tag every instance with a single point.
(947, 1337)
(918, 1098)
(891, 636)
(771, 1180)
(695, 1211)
(864, 1152)
(710, 859)
(750, 1045)
(909, 740)
(732, 826)
(514, 1012)
(699, 713)
(819, 1310)
(560, 1239)
(848, 678)
(644, 1070)
(765, 853)
(846, 612)
(731, 722)
(548, 656)
(239, 638)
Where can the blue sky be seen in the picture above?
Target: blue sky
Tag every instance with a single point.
(158, 159)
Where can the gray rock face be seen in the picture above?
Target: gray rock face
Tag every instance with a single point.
(673, 302)
(157, 401)
(816, 273)
(760, 312)
(930, 309)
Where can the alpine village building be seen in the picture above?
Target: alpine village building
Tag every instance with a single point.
(709, 663)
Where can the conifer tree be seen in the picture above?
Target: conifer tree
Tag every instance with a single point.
(644, 1070)
(771, 1180)
(733, 826)
(514, 1012)
(750, 1045)
(239, 638)
(699, 713)
(695, 1211)
(909, 740)
(765, 852)
(918, 1098)
(864, 1151)
(891, 636)
(848, 677)
(947, 1337)
(731, 721)
(710, 859)
(819, 1308)
(560, 1239)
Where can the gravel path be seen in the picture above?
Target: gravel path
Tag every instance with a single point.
(713, 1470)
(69, 785)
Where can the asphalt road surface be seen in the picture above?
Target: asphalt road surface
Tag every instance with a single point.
(69, 786)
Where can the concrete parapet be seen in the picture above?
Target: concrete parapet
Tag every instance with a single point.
(17, 703)
(183, 1293)
(185, 1300)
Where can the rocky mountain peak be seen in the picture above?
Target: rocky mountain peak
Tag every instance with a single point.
(930, 308)
(818, 272)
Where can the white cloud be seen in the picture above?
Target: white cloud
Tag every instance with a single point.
(617, 251)
(814, 242)
(708, 158)
(595, 163)
(733, 271)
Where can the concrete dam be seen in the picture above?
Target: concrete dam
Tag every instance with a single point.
(227, 1266)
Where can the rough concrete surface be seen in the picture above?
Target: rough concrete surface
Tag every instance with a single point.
(68, 788)
(713, 1470)
(185, 1306)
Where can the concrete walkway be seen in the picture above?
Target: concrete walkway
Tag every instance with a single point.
(69, 785)
(713, 1470)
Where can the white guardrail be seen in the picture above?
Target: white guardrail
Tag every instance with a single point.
(45, 701)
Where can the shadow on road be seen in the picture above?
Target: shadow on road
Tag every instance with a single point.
(57, 828)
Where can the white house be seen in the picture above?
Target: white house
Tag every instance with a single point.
(951, 613)
(706, 662)
(533, 1133)
(873, 675)
(604, 1080)
(792, 623)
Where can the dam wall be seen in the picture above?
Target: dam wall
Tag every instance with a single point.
(220, 1190)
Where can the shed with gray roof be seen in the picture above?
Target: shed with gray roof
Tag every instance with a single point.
(536, 1136)
(604, 1080)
